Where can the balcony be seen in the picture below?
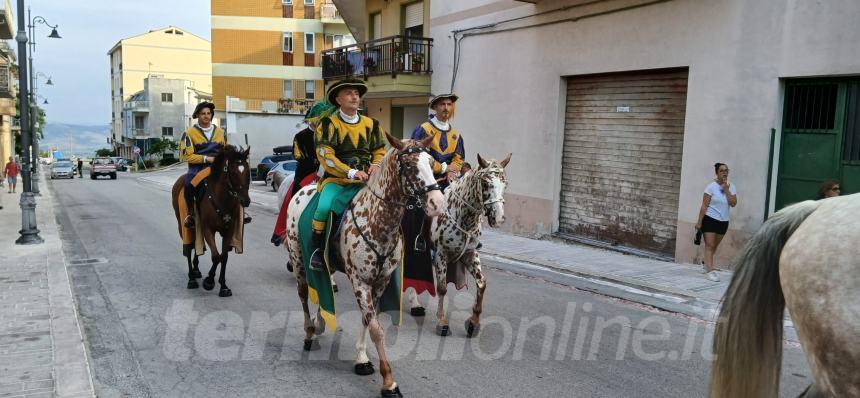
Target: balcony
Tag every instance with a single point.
(7, 20)
(286, 106)
(136, 106)
(393, 67)
(330, 14)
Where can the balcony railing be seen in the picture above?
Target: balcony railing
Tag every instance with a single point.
(389, 56)
(329, 12)
(289, 106)
(139, 106)
(139, 132)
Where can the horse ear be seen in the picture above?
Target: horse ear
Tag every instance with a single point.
(504, 163)
(248, 152)
(483, 163)
(394, 141)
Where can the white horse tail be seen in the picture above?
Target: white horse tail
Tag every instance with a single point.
(748, 335)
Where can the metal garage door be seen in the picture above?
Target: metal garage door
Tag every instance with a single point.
(624, 135)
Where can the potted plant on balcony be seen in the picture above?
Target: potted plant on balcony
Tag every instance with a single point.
(417, 62)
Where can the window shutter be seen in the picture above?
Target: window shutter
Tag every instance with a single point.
(377, 26)
(414, 15)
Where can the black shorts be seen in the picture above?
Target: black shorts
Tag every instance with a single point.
(710, 224)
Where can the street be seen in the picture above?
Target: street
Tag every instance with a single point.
(147, 335)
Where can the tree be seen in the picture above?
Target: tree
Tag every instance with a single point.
(104, 152)
(162, 145)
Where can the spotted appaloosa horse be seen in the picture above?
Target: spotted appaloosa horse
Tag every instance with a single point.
(804, 257)
(456, 234)
(370, 241)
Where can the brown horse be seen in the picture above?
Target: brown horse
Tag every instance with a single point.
(805, 258)
(224, 193)
(370, 243)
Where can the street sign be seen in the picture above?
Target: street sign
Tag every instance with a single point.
(136, 151)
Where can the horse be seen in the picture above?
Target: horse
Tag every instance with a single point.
(224, 194)
(369, 242)
(455, 235)
(804, 258)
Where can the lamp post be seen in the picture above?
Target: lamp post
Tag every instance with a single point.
(29, 232)
(33, 108)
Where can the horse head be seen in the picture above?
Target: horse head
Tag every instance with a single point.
(493, 184)
(415, 166)
(234, 163)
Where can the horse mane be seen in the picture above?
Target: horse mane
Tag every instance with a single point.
(387, 163)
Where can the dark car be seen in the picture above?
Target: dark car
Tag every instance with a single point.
(268, 162)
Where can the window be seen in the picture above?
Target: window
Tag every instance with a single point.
(309, 2)
(376, 26)
(288, 89)
(287, 2)
(310, 88)
(166, 97)
(309, 43)
(342, 40)
(167, 131)
(287, 42)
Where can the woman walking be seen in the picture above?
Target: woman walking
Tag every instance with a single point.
(713, 221)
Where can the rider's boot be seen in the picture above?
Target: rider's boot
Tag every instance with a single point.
(247, 219)
(317, 262)
(189, 204)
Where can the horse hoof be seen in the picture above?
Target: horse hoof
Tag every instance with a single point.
(394, 392)
(225, 292)
(334, 287)
(196, 274)
(289, 267)
(209, 283)
(417, 311)
(192, 284)
(311, 345)
(319, 326)
(443, 330)
(364, 369)
(472, 329)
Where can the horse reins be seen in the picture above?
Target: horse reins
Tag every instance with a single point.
(225, 217)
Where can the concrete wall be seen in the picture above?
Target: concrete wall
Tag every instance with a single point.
(262, 131)
(166, 114)
(512, 87)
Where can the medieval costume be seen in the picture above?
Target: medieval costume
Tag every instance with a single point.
(196, 147)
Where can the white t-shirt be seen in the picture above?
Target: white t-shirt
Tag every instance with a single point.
(718, 209)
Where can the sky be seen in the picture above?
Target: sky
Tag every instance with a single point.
(78, 63)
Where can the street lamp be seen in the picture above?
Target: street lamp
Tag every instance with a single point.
(54, 35)
(29, 232)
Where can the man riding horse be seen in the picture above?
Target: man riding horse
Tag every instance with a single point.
(308, 164)
(349, 147)
(198, 146)
(448, 150)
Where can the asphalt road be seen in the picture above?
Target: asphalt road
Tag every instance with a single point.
(150, 336)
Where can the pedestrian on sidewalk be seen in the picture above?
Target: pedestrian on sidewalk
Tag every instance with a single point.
(11, 172)
(80, 167)
(713, 221)
(829, 189)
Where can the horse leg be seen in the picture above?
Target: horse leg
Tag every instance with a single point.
(195, 273)
(441, 267)
(302, 287)
(209, 281)
(192, 283)
(363, 366)
(225, 251)
(473, 264)
(367, 305)
(415, 307)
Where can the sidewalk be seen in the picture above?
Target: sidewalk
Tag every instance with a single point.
(670, 286)
(41, 345)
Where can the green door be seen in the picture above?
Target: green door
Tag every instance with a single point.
(820, 138)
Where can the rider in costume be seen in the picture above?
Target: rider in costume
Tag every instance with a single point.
(349, 147)
(198, 146)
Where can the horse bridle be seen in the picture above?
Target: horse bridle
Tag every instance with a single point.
(413, 197)
(226, 217)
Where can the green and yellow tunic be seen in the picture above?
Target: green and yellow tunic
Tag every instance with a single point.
(341, 147)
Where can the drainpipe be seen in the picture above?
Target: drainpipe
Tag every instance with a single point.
(769, 173)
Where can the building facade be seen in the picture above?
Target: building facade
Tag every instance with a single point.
(616, 111)
(172, 53)
(266, 54)
(394, 57)
(8, 83)
(163, 109)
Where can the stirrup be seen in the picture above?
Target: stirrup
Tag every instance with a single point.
(319, 264)
(247, 219)
(189, 221)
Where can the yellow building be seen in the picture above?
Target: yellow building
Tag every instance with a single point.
(265, 53)
(171, 53)
(8, 86)
(393, 58)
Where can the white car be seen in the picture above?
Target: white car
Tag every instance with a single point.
(62, 169)
(275, 176)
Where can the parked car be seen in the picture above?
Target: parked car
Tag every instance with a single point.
(276, 175)
(62, 169)
(121, 164)
(259, 174)
(103, 167)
